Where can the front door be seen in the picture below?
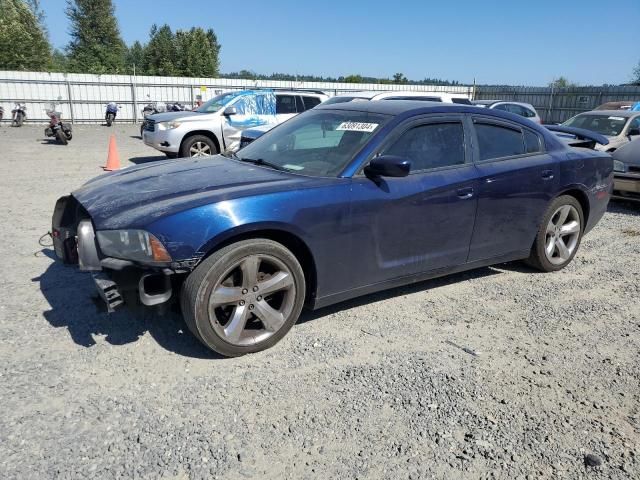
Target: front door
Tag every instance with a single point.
(424, 221)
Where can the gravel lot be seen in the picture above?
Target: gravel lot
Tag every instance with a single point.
(365, 389)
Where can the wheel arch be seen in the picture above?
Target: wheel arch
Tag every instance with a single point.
(582, 198)
(292, 241)
(206, 133)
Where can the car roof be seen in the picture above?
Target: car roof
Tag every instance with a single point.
(613, 113)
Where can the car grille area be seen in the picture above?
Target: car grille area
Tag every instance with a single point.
(149, 126)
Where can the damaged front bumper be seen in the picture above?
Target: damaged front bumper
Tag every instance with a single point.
(75, 243)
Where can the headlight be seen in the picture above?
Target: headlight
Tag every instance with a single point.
(618, 166)
(136, 245)
(168, 125)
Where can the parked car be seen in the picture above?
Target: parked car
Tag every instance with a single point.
(626, 167)
(341, 201)
(519, 108)
(400, 95)
(251, 134)
(620, 105)
(619, 126)
(216, 125)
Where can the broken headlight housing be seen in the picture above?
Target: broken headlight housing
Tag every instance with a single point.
(136, 245)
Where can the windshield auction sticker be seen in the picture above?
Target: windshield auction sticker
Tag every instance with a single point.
(357, 126)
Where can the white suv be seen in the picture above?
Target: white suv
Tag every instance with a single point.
(400, 95)
(217, 124)
(519, 108)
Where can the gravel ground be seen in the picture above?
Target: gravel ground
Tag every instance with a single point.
(365, 389)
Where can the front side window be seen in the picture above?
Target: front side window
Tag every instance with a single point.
(285, 104)
(433, 145)
(495, 141)
(317, 142)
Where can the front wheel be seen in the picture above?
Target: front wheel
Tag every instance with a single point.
(559, 235)
(62, 138)
(244, 298)
(198, 146)
(109, 120)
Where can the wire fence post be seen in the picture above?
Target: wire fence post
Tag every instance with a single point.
(133, 98)
(70, 100)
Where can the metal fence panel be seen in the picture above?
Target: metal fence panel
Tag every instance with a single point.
(83, 97)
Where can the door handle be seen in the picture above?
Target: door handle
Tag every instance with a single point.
(547, 174)
(464, 193)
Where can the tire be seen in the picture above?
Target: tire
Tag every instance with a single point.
(109, 120)
(277, 271)
(19, 120)
(564, 214)
(198, 146)
(62, 138)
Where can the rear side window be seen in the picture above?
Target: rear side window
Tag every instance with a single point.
(433, 145)
(286, 104)
(496, 141)
(532, 142)
(310, 102)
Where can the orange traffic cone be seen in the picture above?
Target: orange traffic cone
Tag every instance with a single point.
(113, 160)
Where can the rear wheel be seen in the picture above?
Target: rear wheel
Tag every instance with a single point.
(198, 146)
(245, 297)
(559, 236)
(62, 137)
(19, 120)
(109, 120)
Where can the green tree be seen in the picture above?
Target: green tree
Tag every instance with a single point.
(96, 45)
(198, 52)
(353, 79)
(636, 75)
(136, 56)
(23, 40)
(161, 53)
(399, 78)
(59, 62)
(562, 82)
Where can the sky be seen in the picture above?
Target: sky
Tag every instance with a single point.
(512, 42)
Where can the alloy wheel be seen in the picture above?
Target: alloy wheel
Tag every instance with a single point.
(200, 149)
(252, 300)
(563, 234)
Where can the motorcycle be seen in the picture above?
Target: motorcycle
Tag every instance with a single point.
(1, 113)
(151, 109)
(110, 114)
(61, 131)
(18, 114)
(175, 107)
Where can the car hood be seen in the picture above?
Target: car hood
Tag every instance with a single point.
(629, 153)
(174, 116)
(137, 196)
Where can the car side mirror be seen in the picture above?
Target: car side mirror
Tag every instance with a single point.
(230, 111)
(388, 166)
(633, 132)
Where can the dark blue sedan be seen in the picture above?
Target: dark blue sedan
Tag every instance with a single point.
(340, 201)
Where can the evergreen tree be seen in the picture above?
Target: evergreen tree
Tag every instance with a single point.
(23, 40)
(135, 56)
(161, 53)
(96, 45)
(59, 62)
(197, 52)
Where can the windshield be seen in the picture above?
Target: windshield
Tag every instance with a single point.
(316, 143)
(341, 99)
(216, 103)
(609, 125)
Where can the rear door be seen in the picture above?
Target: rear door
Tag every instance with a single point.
(517, 179)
